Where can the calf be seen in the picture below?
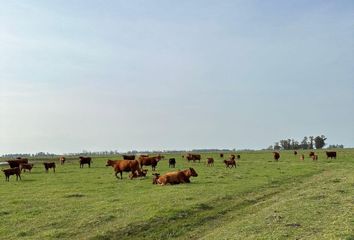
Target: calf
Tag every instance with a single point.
(172, 162)
(26, 166)
(230, 163)
(210, 162)
(48, 165)
(138, 173)
(12, 171)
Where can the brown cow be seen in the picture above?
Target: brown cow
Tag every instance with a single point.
(12, 171)
(221, 155)
(302, 157)
(230, 163)
(26, 166)
(315, 157)
(193, 157)
(147, 161)
(238, 156)
(176, 177)
(48, 165)
(331, 154)
(233, 157)
(210, 162)
(138, 173)
(17, 162)
(85, 160)
(128, 157)
(276, 156)
(121, 166)
(311, 154)
(62, 160)
(295, 153)
(111, 162)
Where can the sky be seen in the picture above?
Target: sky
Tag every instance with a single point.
(155, 75)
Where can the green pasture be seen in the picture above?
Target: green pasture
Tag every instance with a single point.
(260, 199)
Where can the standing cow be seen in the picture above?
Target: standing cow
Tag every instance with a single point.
(85, 160)
(276, 156)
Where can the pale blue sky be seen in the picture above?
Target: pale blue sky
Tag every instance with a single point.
(101, 75)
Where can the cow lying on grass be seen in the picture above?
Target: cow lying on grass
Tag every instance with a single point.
(176, 177)
(138, 173)
(12, 171)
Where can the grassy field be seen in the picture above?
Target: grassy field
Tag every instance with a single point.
(261, 199)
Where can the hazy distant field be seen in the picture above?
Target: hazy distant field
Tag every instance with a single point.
(261, 199)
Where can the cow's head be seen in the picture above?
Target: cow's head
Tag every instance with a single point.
(193, 172)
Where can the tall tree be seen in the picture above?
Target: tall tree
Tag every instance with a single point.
(304, 143)
(311, 142)
(320, 141)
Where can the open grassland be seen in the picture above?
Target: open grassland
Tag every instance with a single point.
(261, 199)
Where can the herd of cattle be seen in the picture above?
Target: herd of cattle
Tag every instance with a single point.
(313, 155)
(135, 166)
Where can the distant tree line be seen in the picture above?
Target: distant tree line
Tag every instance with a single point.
(310, 142)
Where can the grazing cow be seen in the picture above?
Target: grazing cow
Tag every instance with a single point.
(221, 155)
(138, 173)
(276, 156)
(12, 171)
(62, 160)
(128, 157)
(176, 177)
(302, 157)
(230, 163)
(315, 157)
(48, 165)
(210, 162)
(172, 162)
(85, 160)
(26, 166)
(17, 162)
(238, 156)
(193, 157)
(295, 153)
(147, 161)
(311, 154)
(331, 154)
